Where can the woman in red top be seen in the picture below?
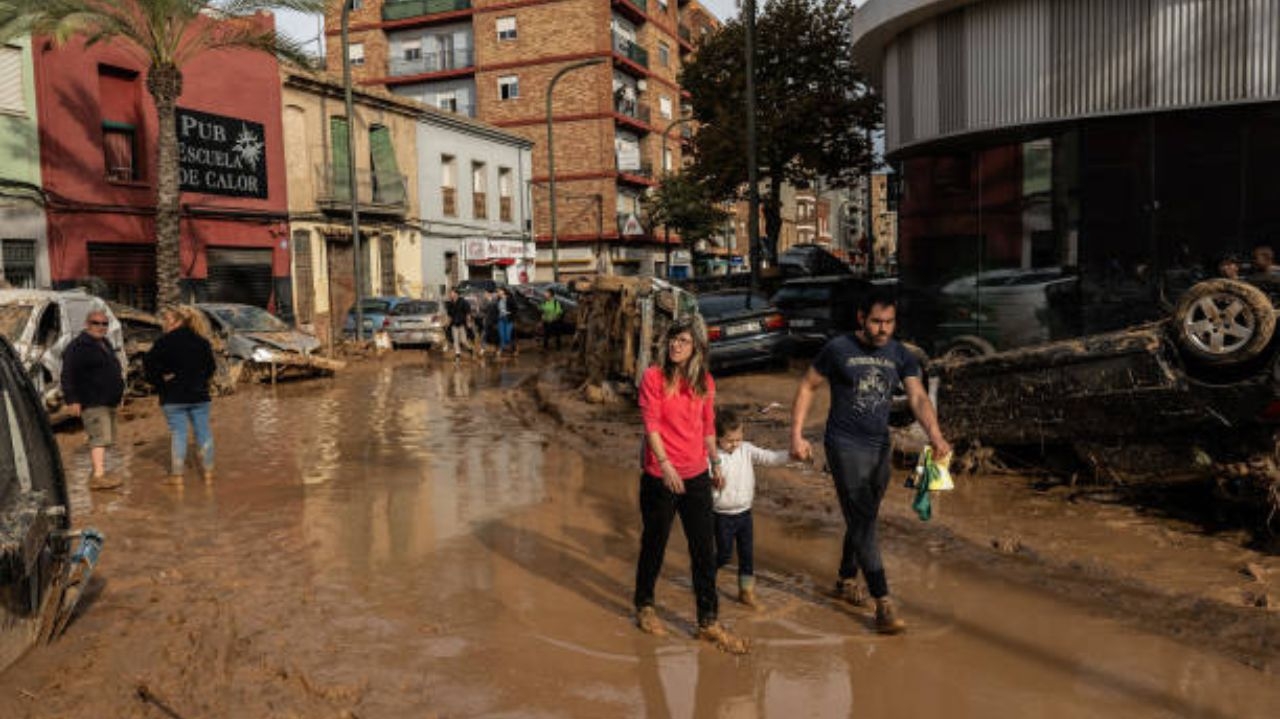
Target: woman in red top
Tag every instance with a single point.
(677, 403)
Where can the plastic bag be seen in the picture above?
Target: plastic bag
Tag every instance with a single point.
(929, 476)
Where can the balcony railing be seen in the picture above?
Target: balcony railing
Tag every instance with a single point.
(630, 50)
(504, 209)
(443, 61)
(645, 170)
(374, 194)
(479, 205)
(404, 9)
(637, 9)
(632, 108)
(450, 197)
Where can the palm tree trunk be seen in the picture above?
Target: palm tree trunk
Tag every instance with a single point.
(164, 82)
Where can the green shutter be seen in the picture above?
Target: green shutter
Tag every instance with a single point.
(385, 172)
(341, 162)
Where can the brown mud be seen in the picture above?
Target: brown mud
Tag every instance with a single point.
(410, 540)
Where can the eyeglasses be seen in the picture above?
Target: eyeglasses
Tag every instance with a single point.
(99, 323)
(681, 340)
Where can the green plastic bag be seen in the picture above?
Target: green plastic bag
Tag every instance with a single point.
(929, 477)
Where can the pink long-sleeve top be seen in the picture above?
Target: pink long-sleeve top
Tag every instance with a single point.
(683, 420)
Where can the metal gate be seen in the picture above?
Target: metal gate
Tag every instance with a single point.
(240, 275)
(342, 283)
(128, 271)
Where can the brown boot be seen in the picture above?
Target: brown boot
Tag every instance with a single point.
(852, 592)
(887, 621)
(103, 482)
(722, 639)
(649, 623)
(747, 593)
(174, 480)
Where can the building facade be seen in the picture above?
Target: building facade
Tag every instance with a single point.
(494, 60)
(24, 255)
(323, 254)
(1072, 167)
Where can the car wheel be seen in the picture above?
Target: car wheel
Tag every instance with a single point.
(1224, 322)
(968, 347)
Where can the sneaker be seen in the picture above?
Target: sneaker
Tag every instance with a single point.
(722, 639)
(887, 621)
(103, 482)
(649, 623)
(852, 592)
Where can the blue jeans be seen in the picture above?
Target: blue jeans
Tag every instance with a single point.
(861, 476)
(505, 329)
(736, 529)
(180, 417)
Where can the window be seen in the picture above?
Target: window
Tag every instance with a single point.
(664, 54)
(479, 195)
(447, 101)
(387, 264)
(11, 97)
(449, 184)
(507, 28)
(662, 6)
(19, 259)
(120, 151)
(355, 52)
(118, 101)
(504, 194)
(411, 50)
(664, 107)
(508, 87)
(357, 4)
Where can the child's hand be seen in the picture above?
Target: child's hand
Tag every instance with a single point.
(717, 477)
(801, 450)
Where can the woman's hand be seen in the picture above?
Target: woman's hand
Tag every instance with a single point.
(671, 479)
(717, 475)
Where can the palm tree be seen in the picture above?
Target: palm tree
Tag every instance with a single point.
(168, 33)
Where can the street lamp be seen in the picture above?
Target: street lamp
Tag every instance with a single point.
(351, 164)
(666, 226)
(753, 172)
(551, 160)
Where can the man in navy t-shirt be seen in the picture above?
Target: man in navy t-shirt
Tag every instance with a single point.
(863, 369)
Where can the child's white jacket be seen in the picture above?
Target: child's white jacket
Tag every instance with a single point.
(740, 479)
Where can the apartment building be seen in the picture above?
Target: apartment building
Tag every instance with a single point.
(494, 60)
(24, 257)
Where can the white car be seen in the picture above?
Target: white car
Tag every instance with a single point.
(41, 323)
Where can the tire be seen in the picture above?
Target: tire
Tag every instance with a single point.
(968, 347)
(1224, 322)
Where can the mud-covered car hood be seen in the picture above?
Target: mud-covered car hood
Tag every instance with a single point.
(292, 341)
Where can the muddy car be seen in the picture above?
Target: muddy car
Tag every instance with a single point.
(1203, 384)
(254, 339)
(416, 323)
(40, 324)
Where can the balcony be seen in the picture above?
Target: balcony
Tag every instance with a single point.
(479, 205)
(376, 196)
(632, 113)
(504, 209)
(630, 51)
(433, 62)
(450, 197)
(633, 10)
(642, 175)
(405, 9)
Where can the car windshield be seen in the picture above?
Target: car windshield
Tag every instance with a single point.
(13, 319)
(416, 308)
(250, 319)
(377, 307)
(712, 306)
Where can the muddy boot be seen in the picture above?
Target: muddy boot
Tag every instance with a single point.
(852, 592)
(208, 475)
(649, 623)
(103, 482)
(722, 639)
(887, 621)
(175, 479)
(747, 593)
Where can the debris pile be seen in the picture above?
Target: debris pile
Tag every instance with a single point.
(621, 322)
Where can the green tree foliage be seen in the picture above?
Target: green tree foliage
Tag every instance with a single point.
(683, 204)
(168, 33)
(813, 107)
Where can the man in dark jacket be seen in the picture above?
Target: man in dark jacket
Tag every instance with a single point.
(459, 316)
(92, 386)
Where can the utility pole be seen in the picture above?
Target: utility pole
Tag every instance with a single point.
(753, 172)
(351, 165)
(551, 161)
(666, 225)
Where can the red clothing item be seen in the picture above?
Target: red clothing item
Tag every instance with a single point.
(683, 420)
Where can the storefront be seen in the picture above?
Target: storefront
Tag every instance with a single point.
(511, 262)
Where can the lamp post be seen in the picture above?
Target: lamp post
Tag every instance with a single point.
(351, 165)
(666, 226)
(551, 160)
(753, 172)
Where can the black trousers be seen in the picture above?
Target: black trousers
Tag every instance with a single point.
(658, 508)
(861, 477)
(550, 330)
(735, 529)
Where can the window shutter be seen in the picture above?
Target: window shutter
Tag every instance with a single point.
(385, 171)
(11, 97)
(340, 162)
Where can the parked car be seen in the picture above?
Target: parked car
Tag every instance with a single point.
(253, 336)
(479, 285)
(999, 310)
(417, 322)
(810, 260)
(40, 324)
(819, 308)
(374, 311)
(743, 329)
(535, 293)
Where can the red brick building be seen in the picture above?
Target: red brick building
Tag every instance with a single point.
(98, 134)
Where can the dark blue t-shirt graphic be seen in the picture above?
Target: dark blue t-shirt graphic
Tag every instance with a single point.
(862, 381)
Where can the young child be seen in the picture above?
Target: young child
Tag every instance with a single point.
(733, 502)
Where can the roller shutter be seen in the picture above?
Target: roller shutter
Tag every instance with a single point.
(240, 275)
(129, 272)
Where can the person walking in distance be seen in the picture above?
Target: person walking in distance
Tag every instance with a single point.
(677, 404)
(92, 384)
(180, 366)
(459, 315)
(506, 322)
(862, 370)
(552, 311)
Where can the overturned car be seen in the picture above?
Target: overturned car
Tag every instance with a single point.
(253, 340)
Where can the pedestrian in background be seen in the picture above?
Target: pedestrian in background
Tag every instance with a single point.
(506, 322)
(92, 383)
(677, 404)
(552, 311)
(459, 316)
(180, 366)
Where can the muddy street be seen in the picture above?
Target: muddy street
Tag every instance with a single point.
(398, 543)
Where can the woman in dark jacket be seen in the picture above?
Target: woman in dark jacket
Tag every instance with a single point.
(180, 366)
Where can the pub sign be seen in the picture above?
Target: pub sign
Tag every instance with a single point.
(220, 155)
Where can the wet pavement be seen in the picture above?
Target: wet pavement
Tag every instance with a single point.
(397, 543)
